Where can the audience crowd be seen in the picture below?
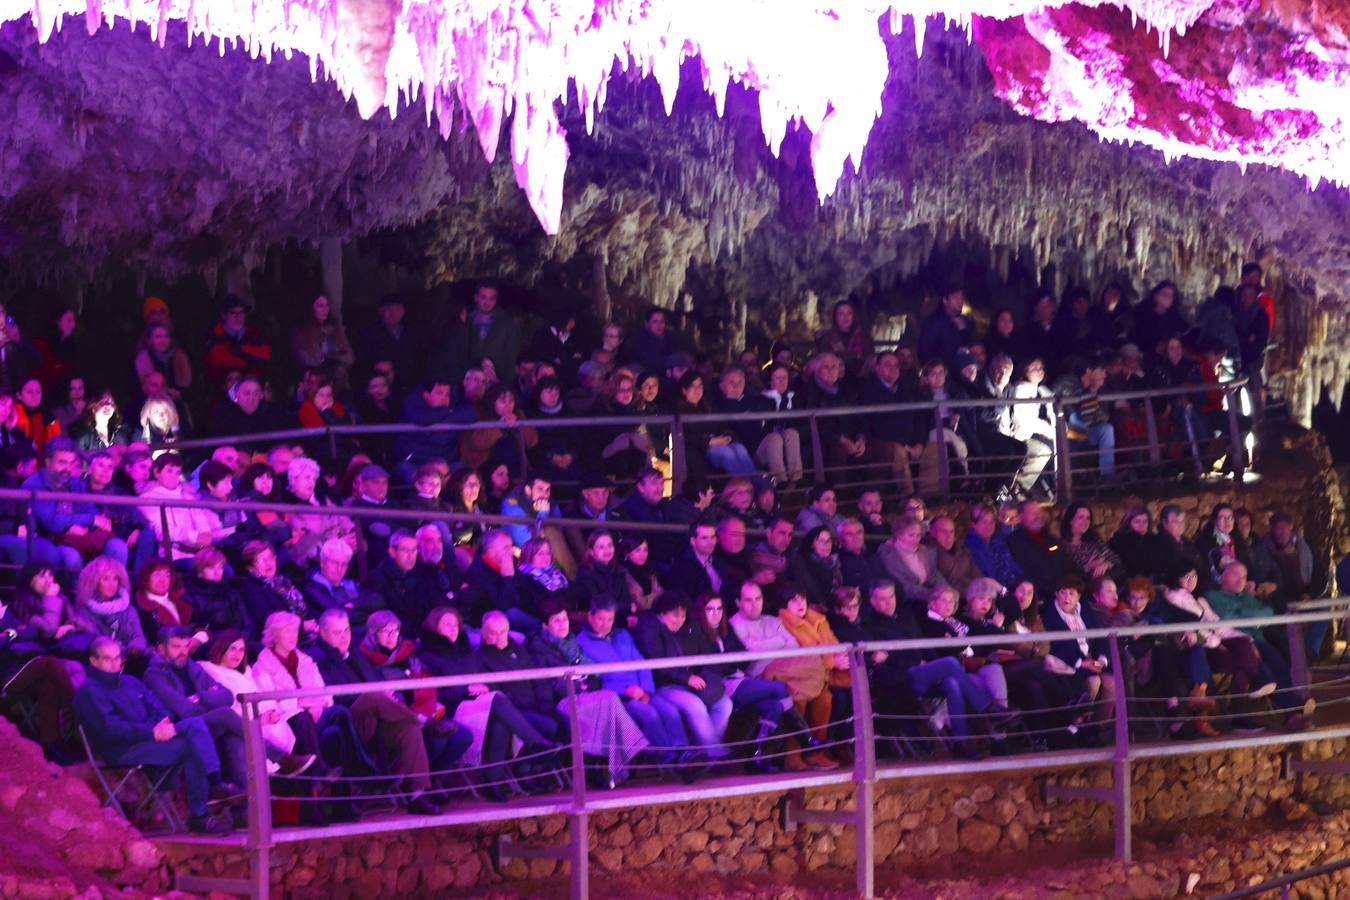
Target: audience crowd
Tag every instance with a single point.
(149, 619)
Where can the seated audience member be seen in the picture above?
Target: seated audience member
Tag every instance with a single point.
(643, 584)
(982, 663)
(857, 567)
(781, 449)
(706, 441)
(593, 504)
(490, 584)
(658, 718)
(1133, 542)
(188, 529)
(822, 508)
(370, 491)
(815, 567)
(900, 677)
(602, 573)
(431, 558)
(487, 715)
(327, 586)
(1089, 420)
(233, 344)
(1090, 556)
(216, 603)
(910, 564)
(693, 501)
(1261, 566)
(128, 726)
(76, 529)
(697, 692)
(264, 591)
(101, 425)
(310, 529)
(428, 404)
(40, 604)
(539, 581)
(532, 500)
(103, 605)
(227, 664)
(608, 733)
(559, 448)
(189, 692)
(989, 547)
(697, 569)
(810, 628)
(954, 560)
(160, 599)
(1087, 660)
(1293, 559)
(1035, 549)
(537, 699)
(896, 437)
(1171, 549)
(399, 584)
(380, 717)
(769, 700)
(27, 671)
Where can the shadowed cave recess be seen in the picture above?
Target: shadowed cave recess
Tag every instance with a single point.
(745, 169)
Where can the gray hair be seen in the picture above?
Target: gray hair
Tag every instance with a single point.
(333, 616)
(275, 623)
(303, 465)
(986, 588)
(336, 550)
(496, 616)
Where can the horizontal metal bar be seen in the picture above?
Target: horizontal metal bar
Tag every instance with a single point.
(1319, 766)
(469, 814)
(1186, 748)
(714, 788)
(1053, 760)
(1255, 890)
(508, 849)
(1061, 792)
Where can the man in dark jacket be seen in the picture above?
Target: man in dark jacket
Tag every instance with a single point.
(393, 341)
(490, 584)
(428, 405)
(399, 584)
(946, 330)
(650, 346)
(491, 333)
(378, 716)
(698, 694)
(896, 437)
(1035, 549)
(182, 685)
(697, 570)
(128, 726)
(371, 492)
(843, 438)
(328, 587)
(537, 699)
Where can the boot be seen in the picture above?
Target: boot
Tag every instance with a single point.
(1199, 700)
(762, 759)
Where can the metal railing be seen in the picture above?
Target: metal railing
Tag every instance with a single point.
(1070, 460)
(578, 802)
(1282, 883)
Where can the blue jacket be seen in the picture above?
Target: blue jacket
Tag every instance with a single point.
(514, 505)
(617, 647)
(118, 712)
(993, 558)
(173, 686)
(418, 447)
(54, 517)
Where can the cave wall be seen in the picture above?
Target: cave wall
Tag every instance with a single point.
(193, 160)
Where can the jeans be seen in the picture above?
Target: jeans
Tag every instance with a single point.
(1103, 437)
(961, 692)
(769, 699)
(660, 721)
(193, 749)
(14, 551)
(705, 724)
(1039, 451)
(732, 458)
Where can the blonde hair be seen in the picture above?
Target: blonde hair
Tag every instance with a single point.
(86, 587)
(275, 623)
(158, 404)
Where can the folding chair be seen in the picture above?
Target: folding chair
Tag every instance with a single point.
(146, 785)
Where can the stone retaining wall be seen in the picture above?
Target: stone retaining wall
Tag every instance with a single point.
(919, 823)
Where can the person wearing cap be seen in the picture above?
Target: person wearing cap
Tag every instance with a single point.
(594, 503)
(233, 344)
(389, 339)
(370, 490)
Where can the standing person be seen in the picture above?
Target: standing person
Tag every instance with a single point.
(320, 342)
(1253, 329)
(946, 330)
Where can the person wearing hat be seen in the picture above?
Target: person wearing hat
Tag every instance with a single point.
(390, 340)
(595, 503)
(233, 344)
(370, 490)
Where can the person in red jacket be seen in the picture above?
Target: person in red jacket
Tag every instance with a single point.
(233, 344)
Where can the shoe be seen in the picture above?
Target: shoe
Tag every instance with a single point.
(1309, 707)
(208, 825)
(225, 792)
(496, 793)
(819, 760)
(1204, 729)
(1296, 722)
(419, 804)
(295, 764)
(692, 766)
(1264, 690)
(1199, 700)
(843, 754)
(793, 762)
(1246, 726)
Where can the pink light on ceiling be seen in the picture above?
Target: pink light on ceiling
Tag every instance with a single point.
(818, 65)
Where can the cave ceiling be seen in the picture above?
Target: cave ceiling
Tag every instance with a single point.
(745, 157)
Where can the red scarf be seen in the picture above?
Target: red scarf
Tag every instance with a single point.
(424, 700)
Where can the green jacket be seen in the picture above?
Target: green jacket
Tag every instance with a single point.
(1227, 605)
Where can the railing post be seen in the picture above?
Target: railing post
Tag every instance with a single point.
(864, 774)
(332, 441)
(259, 804)
(524, 453)
(1063, 464)
(944, 465)
(1120, 767)
(579, 844)
(1237, 451)
(679, 463)
(1151, 424)
(817, 451)
(1298, 660)
(165, 542)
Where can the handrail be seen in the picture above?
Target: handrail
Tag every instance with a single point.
(1283, 881)
(668, 420)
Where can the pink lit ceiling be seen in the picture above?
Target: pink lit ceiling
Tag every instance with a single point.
(1247, 81)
